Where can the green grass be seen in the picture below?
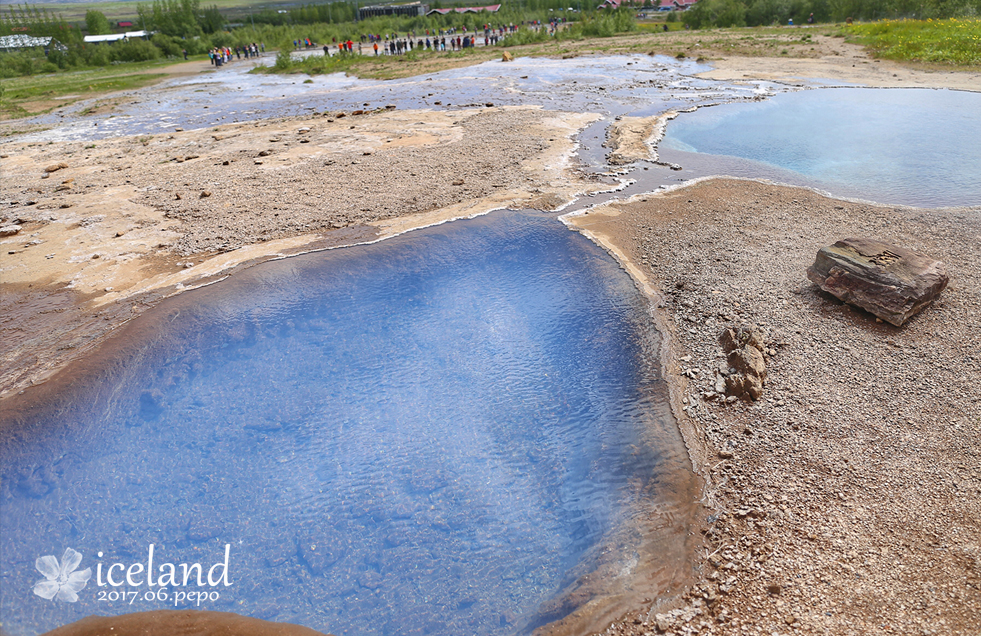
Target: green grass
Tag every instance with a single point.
(126, 9)
(658, 27)
(955, 41)
(369, 66)
(36, 94)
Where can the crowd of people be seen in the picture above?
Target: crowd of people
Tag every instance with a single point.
(430, 40)
(451, 39)
(223, 55)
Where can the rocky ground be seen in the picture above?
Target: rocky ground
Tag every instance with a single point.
(847, 500)
(98, 231)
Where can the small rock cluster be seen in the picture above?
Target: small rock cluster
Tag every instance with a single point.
(746, 372)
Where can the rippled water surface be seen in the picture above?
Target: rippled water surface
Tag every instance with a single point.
(424, 436)
(906, 146)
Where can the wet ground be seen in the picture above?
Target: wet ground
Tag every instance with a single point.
(613, 85)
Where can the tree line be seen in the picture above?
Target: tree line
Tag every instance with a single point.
(180, 26)
(735, 13)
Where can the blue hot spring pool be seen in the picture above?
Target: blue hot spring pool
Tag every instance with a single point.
(435, 434)
(902, 146)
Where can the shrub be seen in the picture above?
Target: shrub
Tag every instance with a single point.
(97, 55)
(134, 51)
(169, 46)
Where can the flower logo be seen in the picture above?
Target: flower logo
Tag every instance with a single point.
(61, 581)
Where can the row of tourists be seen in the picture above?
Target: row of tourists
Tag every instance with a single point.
(393, 44)
(222, 55)
(399, 46)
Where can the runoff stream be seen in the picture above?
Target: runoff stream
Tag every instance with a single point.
(463, 429)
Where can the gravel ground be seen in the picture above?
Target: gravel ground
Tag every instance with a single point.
(846, 500)
(106, 229)
(247, 204)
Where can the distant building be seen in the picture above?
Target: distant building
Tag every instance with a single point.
(494, 8)
(665, 5)
(410, 10)
(22, 41)
(676, 5)
(115, 37)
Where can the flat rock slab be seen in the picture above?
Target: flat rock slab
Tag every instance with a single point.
(888, 281)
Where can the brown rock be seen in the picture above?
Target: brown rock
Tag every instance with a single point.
(888, 281)
(747, 368)
(732, 339)
(9, 230)
(739, 385)
(748, 361)
(56, 167)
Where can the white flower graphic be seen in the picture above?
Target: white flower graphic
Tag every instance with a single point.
(61, 581)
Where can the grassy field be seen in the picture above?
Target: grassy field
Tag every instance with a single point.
(38, 94)
(385, 66)
(126, 9)
(955, 42)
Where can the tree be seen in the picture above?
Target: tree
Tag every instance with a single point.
(33, 21)
(212, 20)
(96, 23)
(177, 18)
